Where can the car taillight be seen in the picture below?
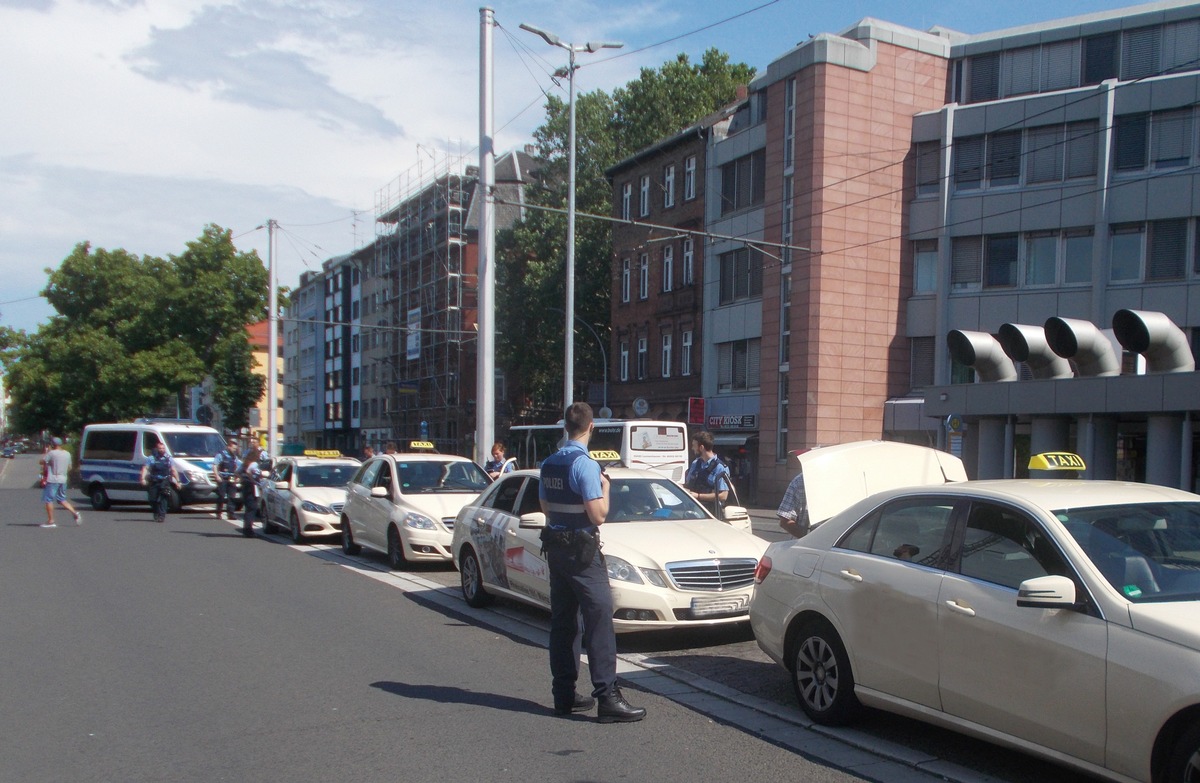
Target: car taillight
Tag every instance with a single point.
(762, 569)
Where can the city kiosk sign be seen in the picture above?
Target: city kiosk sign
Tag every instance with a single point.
(742, 421)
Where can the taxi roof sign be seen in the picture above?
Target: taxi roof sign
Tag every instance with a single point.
(602, 455)
(1056, 460)
(421, 445)
(323, 453)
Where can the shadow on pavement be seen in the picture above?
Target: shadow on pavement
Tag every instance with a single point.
(451, 695)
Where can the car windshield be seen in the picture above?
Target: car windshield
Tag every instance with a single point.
(194, 444)
(1147, 551)
(324, 475)
(441, 476)
(638, 499)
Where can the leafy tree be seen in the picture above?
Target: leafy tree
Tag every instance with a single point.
(131, 333)
(532, 255)
(236, 387)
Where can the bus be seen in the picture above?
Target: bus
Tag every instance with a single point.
(661, 446)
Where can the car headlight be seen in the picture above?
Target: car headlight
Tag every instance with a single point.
(654, 577)
(196, 476)
(313, 508)
(622, 571)
(419, 521)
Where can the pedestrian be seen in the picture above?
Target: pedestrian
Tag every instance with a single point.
(225, 464)
(158, 475)
(368, 452)
(707, 478)
(390, 448)
(497, 465)
(250, 472)
(793, 509)
(574, 495)
(56, 464)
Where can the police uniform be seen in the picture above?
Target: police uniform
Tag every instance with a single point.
(158, 477)
(705, 477)
(225, 464)
(578, 576)
(251, 473)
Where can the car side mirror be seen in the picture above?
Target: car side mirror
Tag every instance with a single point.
(534, 521)
(1047, 592)
(736, 517)
(379, 492)
(281, 485)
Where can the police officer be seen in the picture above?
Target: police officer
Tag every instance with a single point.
(574, 496)
(157, 474)
(707, 478)
(250, 471)
(225, 463)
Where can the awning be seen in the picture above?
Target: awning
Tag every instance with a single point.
(730, 440)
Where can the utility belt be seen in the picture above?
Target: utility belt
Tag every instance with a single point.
(582, 544)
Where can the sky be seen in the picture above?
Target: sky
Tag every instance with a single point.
(134, 124)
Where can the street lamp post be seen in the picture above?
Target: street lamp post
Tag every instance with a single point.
(591, 46)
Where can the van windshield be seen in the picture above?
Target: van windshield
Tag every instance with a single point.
(193, 444)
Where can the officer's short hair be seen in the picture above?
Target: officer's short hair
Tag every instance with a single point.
(705, 439)
(577, 418)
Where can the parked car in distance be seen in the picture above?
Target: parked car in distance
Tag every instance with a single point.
(1059, 617)
(670, 562)
(305, 495)
(10, 453)
(404, 505)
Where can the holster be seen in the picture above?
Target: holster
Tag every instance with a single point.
(582, 544)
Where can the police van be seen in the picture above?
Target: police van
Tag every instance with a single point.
(111, 457)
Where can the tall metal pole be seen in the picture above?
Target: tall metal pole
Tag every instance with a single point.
(272, 342)
(569, 358)
(485, 355)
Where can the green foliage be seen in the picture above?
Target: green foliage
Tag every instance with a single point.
(531, 257)
(132, 333)
(237, 388)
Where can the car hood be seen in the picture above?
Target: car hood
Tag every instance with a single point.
(653, 543)
(837, 477)
(324, 496)
(437, 505)
(1174, 621)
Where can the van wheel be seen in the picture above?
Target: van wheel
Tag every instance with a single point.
(174, 503)
(99, 498)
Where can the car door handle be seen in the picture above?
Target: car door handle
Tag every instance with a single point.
(850, 575)
(955, 606)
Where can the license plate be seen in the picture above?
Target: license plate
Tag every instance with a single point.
(724, 604)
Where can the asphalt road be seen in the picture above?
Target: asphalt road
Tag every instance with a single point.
(183, 652)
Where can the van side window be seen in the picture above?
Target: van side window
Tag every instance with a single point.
(149, 441)
(109, 444)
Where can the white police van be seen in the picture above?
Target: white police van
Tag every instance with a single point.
(111, 457)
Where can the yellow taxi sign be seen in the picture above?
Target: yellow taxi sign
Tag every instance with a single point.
(323, 453)
(602, 455)
(421, 445)
(1056, 460)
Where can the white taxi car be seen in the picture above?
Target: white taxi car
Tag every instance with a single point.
(1059, 617)
(306, 494)
(670, 562)
(403, 505)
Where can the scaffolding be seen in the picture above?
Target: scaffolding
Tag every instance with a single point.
(424, 253)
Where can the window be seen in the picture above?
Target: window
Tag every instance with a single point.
(689, 178)
(985, 77)
(741, 275)
(1125, 252)
(921, 361)
(1129, 142)
(1001, 262)
(624, 368)
(1100, 58)
(968, 163)
(1139, 55)
(1045, 154)
(644, 276)
(1171, 138)
(1082, 140)
(1077, 252)
(668, 268)
(785, 317)
(1021, 68)
(738, 366)
(666, 355)
(689, 261)
(1060, 65)
(642, 351)
(743, 182)
(925, 254)
(789, 122)
(928, 173)
(685, 359)
(625, 281)
(626, 200)
(966, 262)
(644, 196)
(354, 376)
(1005, 548)
(1180, 48)
(669, 187)
(1167, 258)
(1041, 259)
(913, 529)
(781, 437)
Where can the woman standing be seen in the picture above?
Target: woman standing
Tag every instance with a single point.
(250, 473)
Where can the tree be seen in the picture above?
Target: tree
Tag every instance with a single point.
(130, 333)
(236, 387)
(532, 255)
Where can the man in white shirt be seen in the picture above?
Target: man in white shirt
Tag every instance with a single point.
(57, 464)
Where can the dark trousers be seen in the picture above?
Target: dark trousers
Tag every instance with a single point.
(226, 496)
(160, 497)
(249, 506)
(580, 592)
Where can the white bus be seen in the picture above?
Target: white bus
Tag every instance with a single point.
(661, 446)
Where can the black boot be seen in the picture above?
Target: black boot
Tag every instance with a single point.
(614, 708)
(578, 704)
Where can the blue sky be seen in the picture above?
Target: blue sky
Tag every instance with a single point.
(133, 124)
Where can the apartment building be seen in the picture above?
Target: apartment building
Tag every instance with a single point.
(303, 341)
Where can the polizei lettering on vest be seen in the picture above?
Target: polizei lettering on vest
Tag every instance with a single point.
(553, 483)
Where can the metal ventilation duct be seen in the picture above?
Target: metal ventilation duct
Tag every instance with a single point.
(1026, 343)
(1156, 337)
(1072, 338)
(983, 352)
